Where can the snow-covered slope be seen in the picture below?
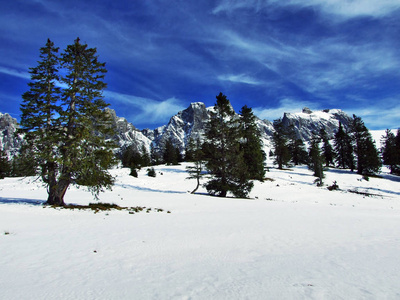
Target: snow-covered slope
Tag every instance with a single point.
(293, 240)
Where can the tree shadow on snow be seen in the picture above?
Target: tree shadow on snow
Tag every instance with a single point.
(21, 201)
(144, 189)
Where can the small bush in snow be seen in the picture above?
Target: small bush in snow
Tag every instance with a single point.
(333, 187)
(151, 172)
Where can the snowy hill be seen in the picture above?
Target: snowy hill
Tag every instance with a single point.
(292, 240)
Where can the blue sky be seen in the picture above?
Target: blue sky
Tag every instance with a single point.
(275, 56)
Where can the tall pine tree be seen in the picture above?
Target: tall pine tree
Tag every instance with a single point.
(368, 161)
(224, 156)
(69, 126)
(251, 144)
(280, 143)
(390, 152)
(316, 160)
(327, 149)
(344, 152)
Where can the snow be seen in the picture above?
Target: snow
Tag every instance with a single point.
(292, 240)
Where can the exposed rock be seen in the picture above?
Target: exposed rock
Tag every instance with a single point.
(308, 122)
(9, 141)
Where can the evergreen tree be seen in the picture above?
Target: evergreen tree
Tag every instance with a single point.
(24, 163)
(5, 166)
(190, 149)
(390, 153)
(251, 144)
(327, 149)
(39, 119)
(146, 161)
(316, 159)
(280, 144)
(224, 157)
(155, 157)
(298, 152)
(197, 156)
(344, 152)
(171, 154)
(69, 126)
(368, 161)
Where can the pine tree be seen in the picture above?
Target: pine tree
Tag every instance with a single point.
(69, 126)
(39, 119)
(171, 154)
(197, 156)
(327, 149)
(280, 143)
(368, 161)
(298, 152)
(390, 154)
(251, 144)
(316, 159)
(5, 165)
(224, 158)
(344, 152)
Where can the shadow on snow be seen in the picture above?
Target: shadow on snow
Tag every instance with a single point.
(21, 201)
(144, 189)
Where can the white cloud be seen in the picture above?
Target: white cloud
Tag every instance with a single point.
(285, 105)
(15, 73)
(343, 8)
(147, 111)
(240, 78)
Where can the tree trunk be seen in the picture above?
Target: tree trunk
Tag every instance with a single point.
(57, 192)
(198, 184)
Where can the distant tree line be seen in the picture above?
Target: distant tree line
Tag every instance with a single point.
(352, 149)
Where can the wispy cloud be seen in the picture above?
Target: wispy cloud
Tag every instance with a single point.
(14, 72)
(147, 111)
(240, 78)
(342, 8)
(285, 105)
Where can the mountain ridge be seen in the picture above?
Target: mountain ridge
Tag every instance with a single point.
(190, 123)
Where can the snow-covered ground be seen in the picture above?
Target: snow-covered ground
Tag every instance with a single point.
(293, 240)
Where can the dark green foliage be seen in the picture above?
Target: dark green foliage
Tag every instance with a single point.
(298, 152)
(280, 143)
(196, 171)
(344, 153)
(155, 158)
(316, 160)
(224, 156)
(132, 158)
(5, 165)
(368, 161)
(327, 149)
(391, 151)
(151, 172)
(66, 129)
(133, 173)
(171, 154)
(24, 163)
(251, 145)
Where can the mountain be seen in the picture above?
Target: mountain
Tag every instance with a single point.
(8, 140)
(307, 122)
(126, 134)
(190, 123)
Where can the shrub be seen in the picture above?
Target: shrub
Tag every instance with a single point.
(151, 172)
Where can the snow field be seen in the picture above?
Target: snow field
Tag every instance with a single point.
(293, 240)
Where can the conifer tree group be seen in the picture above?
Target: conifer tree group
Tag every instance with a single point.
(64, 120)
